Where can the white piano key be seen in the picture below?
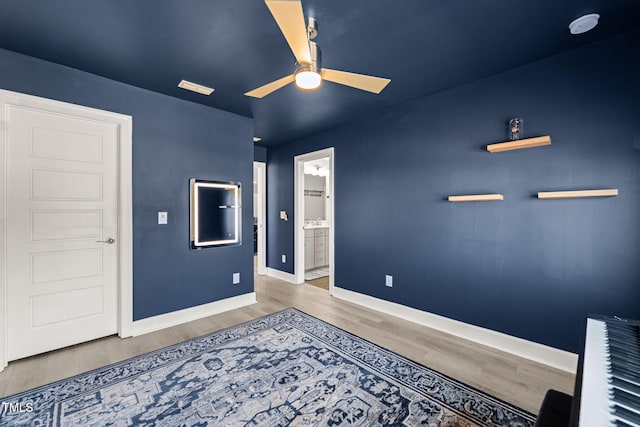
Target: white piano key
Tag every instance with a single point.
(595, 407)
(597, 401)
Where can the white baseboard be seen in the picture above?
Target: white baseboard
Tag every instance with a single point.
(155, 323)
(277, 274)
(550, 356)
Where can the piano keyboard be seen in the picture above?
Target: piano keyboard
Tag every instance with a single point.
(610, 393)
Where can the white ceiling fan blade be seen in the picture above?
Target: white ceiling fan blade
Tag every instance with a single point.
(290, 18)
(265, 90)
(359, 81)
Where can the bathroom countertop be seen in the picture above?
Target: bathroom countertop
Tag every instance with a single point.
(313, 227)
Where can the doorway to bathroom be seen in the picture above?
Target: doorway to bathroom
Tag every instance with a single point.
(314, 179)
(259, 218)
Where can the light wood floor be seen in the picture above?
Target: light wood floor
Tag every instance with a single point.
(515, 380)
(322, 283)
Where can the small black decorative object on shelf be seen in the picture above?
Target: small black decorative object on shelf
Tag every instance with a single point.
(515, 129)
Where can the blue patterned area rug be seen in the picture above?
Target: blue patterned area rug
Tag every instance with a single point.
(287, 368)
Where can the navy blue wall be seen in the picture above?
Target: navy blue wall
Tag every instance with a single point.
(173, 141)
(526, 267)
(259, 154)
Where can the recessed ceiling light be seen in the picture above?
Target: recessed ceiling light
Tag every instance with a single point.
(194, 87)
(257, 139)
(584, 23)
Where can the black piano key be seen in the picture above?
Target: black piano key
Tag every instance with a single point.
(626, 380)
(621, 334)
(625, 385)
(620, 342)
(631, 339)
(618, 346)
(613, 352)
(619, 349)
(623, 325)
(622, 337)
(627, 399)
(623, 352)
(622, 331)
(623, 364)
(623, 345)
(623, 340)
(621, 377)
(620, 423)
(621, 361)
(631, 329)
(626, 414)
(634, 377)
(619, 368)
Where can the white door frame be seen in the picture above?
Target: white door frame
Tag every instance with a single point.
(261, 180)
(10, 99)
(298, 186)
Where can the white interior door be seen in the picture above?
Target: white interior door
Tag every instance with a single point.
(61, 230)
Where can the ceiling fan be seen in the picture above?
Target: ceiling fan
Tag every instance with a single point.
(309, 73)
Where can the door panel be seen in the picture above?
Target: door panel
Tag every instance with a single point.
(62, 307)
(55, 266)
(66, 145)
(65, 185)
(66, 225)
(61, 206)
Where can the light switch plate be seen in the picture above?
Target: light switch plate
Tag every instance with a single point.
(162, 217)
(388, 281)
(236, 278)
(284, 259)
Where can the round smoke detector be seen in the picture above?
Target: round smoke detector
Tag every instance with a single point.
(584, 23)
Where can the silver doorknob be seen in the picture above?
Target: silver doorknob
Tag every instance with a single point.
(110, 241)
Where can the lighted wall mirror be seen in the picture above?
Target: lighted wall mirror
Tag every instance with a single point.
(215, 213)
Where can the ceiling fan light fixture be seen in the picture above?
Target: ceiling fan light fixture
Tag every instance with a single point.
(308, 79)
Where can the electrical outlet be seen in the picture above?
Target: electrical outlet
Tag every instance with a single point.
(388, 281)
(162, 217)
(236, 278)
(284, 259)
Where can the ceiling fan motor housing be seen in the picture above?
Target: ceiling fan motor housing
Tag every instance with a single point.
(316, 56)
(312, 29)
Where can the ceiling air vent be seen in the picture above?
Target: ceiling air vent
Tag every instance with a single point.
(194, 87)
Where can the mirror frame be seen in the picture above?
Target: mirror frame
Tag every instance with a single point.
(194, 220)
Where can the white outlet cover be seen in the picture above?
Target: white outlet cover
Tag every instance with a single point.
(162, 217)
(284, 259)
(236, 278)
(388, 281)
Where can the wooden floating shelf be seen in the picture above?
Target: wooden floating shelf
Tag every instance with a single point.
(609, 192)
(520, 143)
(477, 198)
